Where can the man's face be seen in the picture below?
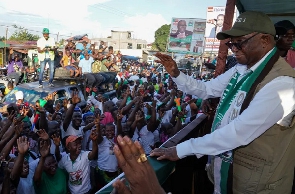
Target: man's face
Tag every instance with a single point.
(220, 20)
(77, 119)
(68, 53)
(25, 171)
(46, 36)
(285, 42)
(89, 119)
(87, 56)
(50, 165)
(251, 50)
(75, 147)
(111, 106)
(181, 26)
(179, 94)
(110, 131)
(26, 128)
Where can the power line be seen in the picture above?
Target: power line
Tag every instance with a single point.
(12, 26)
(111, 10)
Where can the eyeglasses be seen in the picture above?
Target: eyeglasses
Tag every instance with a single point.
(238, 45)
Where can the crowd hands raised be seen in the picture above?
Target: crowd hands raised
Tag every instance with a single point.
(64, 148)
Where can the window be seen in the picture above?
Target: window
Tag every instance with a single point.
(129, 46)
(60, 96)
(138, 46)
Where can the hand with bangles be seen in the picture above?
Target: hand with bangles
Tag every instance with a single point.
(138, 171)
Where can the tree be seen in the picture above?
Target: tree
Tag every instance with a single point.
(22, 34)
(161, 38)
(2, 38)
(61, 42)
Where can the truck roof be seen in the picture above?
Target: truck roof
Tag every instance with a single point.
(57, 85)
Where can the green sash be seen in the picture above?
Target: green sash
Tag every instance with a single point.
(232, 89)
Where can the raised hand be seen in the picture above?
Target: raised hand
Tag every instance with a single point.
(75, 98)
(119, 115)
(57, 107)
(12, 115)
(93, 135)
(169, 64)
(22, 145)
(97, 120)
(43, 134)
(19, 128)
(50, 96)
(138, 171)
(44, 148)
(56, 139)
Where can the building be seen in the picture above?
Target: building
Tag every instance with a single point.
(123, 41)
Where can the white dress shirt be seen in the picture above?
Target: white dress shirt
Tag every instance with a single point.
(274, 103)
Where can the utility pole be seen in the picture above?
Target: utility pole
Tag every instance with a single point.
(4, 57)
(57, 37)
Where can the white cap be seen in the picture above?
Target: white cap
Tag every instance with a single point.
(19, 95)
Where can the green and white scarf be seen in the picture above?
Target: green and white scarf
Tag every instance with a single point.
(233, 88)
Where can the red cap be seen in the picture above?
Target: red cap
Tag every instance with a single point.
(71, 138)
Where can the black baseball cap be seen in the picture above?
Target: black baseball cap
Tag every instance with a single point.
(284, 24)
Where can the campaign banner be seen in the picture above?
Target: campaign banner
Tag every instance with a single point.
(214, 24)
(187, 36)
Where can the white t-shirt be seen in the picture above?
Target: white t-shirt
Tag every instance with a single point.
(145, 137)
(42, 43)
(26, 185)
(86, 140)
(72, 131)
(167, 117)
(79, 172)
(107, 160)
(52, 147)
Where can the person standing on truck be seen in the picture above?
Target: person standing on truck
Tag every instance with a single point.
(46, 48)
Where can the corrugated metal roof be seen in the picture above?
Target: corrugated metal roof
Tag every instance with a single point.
(277, 9)
(2, 44)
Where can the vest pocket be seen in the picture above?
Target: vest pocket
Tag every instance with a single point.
(247, 172)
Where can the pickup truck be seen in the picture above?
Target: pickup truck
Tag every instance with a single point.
(63, 88)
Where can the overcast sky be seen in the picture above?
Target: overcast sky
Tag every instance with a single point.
(98, 17)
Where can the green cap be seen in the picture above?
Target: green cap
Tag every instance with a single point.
(45, 31)
(247, 23)
(42, 102)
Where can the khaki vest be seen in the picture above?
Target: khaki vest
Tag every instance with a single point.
(266, 165)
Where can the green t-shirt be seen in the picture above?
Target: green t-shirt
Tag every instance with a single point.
(56, 184)
(293, 45)
(157, 87)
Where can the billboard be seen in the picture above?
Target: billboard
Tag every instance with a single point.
(187, 36)
(214, 24)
